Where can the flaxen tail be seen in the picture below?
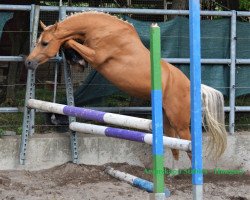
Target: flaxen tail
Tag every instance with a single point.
(214, 120)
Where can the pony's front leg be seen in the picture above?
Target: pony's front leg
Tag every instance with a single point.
(86, 52)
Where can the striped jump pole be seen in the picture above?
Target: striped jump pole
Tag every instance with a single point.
(89, 114)
(134, 180)
(173, 143)
(156, 103)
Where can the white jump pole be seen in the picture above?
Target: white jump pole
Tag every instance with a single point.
(134, 180)
(173, 143)
(104, 117)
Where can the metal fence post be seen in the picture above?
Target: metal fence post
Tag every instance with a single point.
(232, 73)
(29, 114)
(70, 95)
(34, 28)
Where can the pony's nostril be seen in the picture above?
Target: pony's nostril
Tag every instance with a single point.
(31, 64)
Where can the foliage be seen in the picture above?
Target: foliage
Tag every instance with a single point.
(41, 93)
(117, 100)
(1, 132)
(245, 5)
(19, 130)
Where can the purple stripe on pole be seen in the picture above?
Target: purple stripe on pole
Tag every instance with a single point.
(84, 113)
(125, 134)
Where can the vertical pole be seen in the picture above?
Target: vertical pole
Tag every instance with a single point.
(156, 101)
(195, 76)
(36, 14)
(55, 81)
(232, 73)
(29, 114)
(70, 95)
(53, 117)
(32, 14)
(165, 5)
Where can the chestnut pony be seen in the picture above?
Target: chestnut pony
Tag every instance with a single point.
(114, 49)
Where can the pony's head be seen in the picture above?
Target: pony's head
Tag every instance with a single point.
(47, 46)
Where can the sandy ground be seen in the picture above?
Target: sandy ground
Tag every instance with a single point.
(81, 182)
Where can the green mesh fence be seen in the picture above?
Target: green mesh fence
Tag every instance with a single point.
(4, 17)
(215, 40)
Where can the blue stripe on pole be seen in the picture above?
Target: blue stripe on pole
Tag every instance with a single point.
(157, 127)
(144, 184)
(148, 186)
(195, 76)
(125, 134)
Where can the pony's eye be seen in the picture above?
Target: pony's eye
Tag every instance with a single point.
(45, 43)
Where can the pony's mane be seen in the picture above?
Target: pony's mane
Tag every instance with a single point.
(77, 14)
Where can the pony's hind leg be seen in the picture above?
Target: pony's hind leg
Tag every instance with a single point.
(185, 135)
(170, 131)
(177, 125)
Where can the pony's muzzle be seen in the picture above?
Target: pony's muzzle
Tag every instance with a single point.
(31, 64)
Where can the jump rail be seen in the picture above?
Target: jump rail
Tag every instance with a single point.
(110, 118)
(99, 116)
(134, 180)
(173, 143)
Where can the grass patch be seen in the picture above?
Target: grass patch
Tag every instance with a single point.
(13, 121)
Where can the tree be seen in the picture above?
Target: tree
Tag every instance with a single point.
(179, 5)
(233, 5)
(245, 5)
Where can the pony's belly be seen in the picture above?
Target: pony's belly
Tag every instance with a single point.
(132, 78)
(142, 92)
(137, 87)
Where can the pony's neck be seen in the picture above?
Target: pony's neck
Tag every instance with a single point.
(68, 31)
(85, 26)
(77, 26)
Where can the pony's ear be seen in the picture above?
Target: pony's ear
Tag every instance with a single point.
(55, 26)
(42, 25)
